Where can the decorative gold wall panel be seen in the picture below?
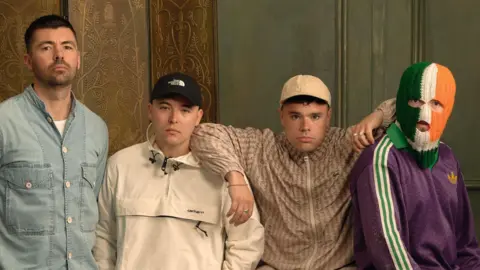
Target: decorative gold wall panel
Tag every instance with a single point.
(15, 17)
(114, 74)
(183, 39)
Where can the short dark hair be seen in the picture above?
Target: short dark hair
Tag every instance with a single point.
(304, 99)
(46, 22)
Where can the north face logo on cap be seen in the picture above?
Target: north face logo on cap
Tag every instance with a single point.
(177, 82)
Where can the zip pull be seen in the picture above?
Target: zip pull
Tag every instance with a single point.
(176, 166)
(198, 227)
(164, 165)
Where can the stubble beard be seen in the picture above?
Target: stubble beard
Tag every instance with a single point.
(51, 78)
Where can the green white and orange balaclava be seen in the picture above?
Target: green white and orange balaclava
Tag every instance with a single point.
(426, 82)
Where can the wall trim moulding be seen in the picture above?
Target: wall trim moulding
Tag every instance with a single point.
(341, 42)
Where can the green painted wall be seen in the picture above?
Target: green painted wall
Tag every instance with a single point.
(261, 44)
(474, 195)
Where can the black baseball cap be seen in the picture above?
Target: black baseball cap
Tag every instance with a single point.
(177, 84)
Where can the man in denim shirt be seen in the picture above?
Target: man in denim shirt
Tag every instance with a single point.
(52, 159)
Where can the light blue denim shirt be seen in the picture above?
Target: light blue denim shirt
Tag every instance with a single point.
(49, 185)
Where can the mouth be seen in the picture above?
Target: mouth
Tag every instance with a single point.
(60, 67)
(172, 131)
(423, 126)
(305, 139)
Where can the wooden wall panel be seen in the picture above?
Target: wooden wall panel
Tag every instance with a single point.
(385, 37)
(15, 17)
(360, 48)
(261, 44)
(379, 49)
(454, 42)
(183, 39)
(474, 196)
(114, 74)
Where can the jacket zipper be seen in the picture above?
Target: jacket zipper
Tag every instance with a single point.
(164, 169)
(312, 214)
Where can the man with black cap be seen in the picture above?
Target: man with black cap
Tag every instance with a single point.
(159, 209)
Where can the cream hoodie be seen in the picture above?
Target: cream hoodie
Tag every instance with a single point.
(169, 215)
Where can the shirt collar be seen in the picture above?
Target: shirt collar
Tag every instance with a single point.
(299, 156)
(400, 141)
(187, 159)
(397, 137)
(37, 102)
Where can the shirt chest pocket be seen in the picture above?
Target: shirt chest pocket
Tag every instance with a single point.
(88, 198)
(29, 200)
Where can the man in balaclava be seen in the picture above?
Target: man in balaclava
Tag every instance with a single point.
(411, 208)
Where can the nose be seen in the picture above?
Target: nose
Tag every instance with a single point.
(173, 117)
(58, 53)
(305, 125)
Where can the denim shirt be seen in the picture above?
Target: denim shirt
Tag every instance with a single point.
(49, 185)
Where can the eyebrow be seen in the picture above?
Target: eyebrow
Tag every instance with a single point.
(298, 113)
(53, 43)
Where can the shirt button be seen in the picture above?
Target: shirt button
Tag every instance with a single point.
(28, 185)
(49, 119)
(69, 220)
(69, 255)
(67, 184)
(64, 149)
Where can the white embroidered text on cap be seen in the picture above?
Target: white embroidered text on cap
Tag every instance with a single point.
(177, 82)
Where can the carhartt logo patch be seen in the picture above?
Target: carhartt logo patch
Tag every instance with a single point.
(452, 178)
(177, 83)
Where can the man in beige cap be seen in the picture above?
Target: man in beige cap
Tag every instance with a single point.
(298, 177)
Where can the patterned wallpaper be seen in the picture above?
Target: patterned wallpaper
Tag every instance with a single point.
(122, 54)
(182, 39)
(15, 16)
(114, 74)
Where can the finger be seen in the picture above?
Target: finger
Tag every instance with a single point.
(248, 214)
(354, 136)
(233, 208)
(243, 218)
(369, 135)
(250, 209)
(354, 146)
(236, 216)
(358, 145)
(354, 130)
(363, 140)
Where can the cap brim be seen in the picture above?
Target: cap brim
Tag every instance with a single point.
(287, 98)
